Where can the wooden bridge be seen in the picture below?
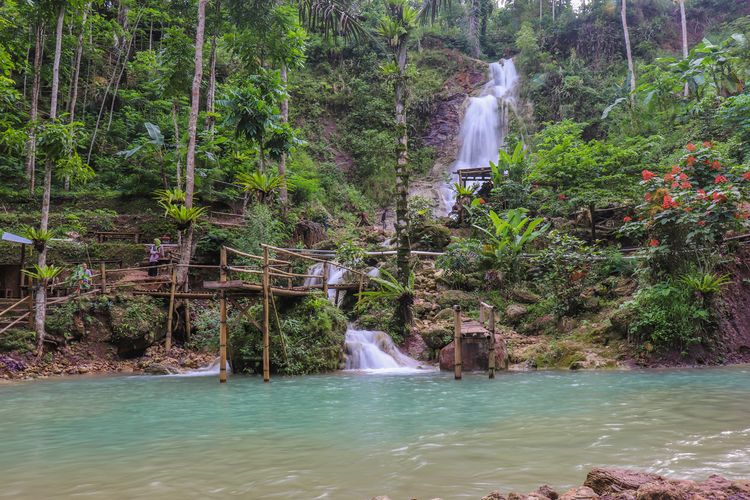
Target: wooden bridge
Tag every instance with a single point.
(268, 276)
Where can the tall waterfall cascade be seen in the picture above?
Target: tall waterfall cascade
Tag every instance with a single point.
(485, 123)
(370, 350)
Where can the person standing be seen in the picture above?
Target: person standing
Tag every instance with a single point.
(154, 254)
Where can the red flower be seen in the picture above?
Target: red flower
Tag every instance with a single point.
(669, 177)
(746, 176)
(701, 193)
(653, 243)
(648, 175)
(683, 176)
(717, 197)
(627, 218)
(686, 185)
(688, 209)
(701, 223)
(690, 160)
(675, 184)
(675, 169)
(707, 144)
(668, 202)
(690, 147)
(648, 197)
(561, 196)
(481, 201)
(720, 179)
(743, 215)
(716, 165)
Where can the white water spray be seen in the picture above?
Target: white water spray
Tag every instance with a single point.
(373, 351)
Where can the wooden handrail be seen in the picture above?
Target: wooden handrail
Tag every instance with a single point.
(256, 257)
(322, 261)
(14, 305)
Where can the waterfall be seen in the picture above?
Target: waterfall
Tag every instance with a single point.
(369, 350)
(336, 276)
(212, 369)
(485, 123)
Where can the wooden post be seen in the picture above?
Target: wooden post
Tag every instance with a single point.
(289, 279)
(187, 320)
(223, 318)
(31, 297)
(325, 278)
(458, 363)
(361, 285)
(21, 274)
(103, 272)
(170, 313)
(491, 360)
(266, 321)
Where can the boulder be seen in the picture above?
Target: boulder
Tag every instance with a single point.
(494, 495)
(444, 315)
(524, 296)
(475, 355)
(579, 493)
(515, 312)
(609, 481)
(160, 369)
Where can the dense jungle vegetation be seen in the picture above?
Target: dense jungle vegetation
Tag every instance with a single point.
(309, 118)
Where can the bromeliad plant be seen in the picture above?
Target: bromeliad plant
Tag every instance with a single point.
(182, 215)
(174, 196)
(262, 185)
(687, 211)
(43, 274)
(509, 235)
(39, 237)
(391, 290)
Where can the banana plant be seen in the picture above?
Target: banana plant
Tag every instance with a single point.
(511, 233)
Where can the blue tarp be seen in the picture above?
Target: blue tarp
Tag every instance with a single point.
(14, 238)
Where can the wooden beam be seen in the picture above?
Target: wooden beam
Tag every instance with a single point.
(170, 313)
(266, 322)
(458, 362)
(223, 319)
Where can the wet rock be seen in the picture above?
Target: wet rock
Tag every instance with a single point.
(666, 489)
(545, 491)
(160, 369)
(515, 312)
(542, 323)
(579, 493)
(620, 323)
(437, 337)
(494, 495)
(608, 481)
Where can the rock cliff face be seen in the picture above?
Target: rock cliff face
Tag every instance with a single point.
(734, 315)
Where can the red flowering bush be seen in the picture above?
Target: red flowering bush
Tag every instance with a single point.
(690, 208)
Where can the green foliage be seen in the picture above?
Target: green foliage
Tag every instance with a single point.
(19, 340)
(261, 184)
(182, 215)
(705, 282)
(43, 273)
(136, 317)
(668, 317)
(459, 261)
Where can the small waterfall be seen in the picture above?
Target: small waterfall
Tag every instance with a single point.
(212, 369)
(369, 350)
(485, 123)
(335, 276)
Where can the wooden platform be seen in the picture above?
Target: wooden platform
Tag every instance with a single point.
(240, 287)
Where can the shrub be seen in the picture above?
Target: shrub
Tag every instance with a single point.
(668, 317)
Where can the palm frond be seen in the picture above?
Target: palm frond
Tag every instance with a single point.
(332, 17)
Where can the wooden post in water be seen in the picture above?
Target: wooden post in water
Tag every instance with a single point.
(491, 359)
(266, 320)
(170, 313)
(103, 272)
(325, 278)
(458, 362)
(223, 318)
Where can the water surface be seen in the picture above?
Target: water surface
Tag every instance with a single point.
(356, 435)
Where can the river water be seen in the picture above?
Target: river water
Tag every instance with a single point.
(353, 435)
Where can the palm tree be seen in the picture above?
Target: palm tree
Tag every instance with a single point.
(631, 66)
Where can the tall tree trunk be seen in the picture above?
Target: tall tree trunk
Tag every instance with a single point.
(34, 112)
(284, 108)
(178, 169)
(211, 92)
(75, 77)
(403, 249)
(187, 250)
(631, 66)
(41, 293)
(683, 22)
(473, 31)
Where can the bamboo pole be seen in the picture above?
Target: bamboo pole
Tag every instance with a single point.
(188, 326)
(289, 279)
(266, 322)
(491, 361)
(458, 362)
(170, 313)
(325, 278)
(223, 319)
(103, 273)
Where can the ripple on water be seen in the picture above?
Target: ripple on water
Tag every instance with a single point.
(355, 435)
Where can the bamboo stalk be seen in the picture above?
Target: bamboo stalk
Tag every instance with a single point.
(491, 361)
(13, 306)
(325, 278)
(266, 325)
(103, 272)
(458, 362)
(170, 313)
(223, 319)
